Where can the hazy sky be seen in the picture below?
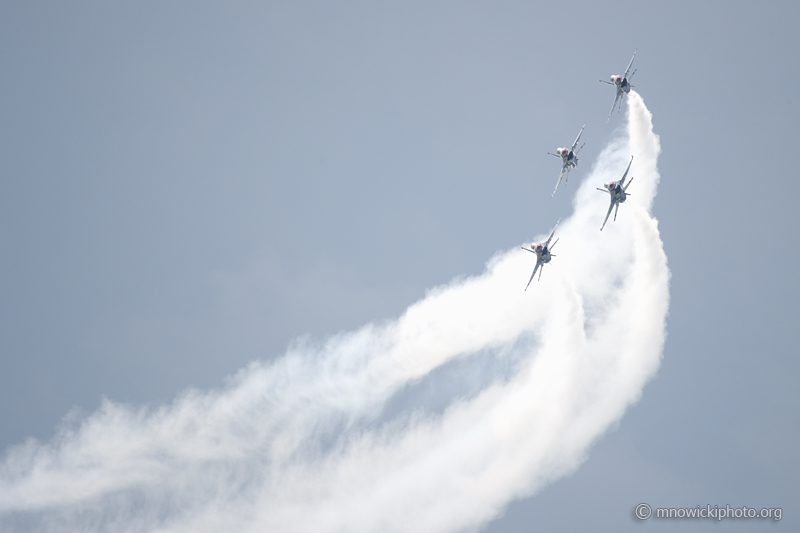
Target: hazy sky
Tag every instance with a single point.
(187, 189)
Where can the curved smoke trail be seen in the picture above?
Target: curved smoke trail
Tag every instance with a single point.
(480, 393)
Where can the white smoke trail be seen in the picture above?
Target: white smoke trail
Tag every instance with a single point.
(479, 394)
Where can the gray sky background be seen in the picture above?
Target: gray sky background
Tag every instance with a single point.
(189, 187)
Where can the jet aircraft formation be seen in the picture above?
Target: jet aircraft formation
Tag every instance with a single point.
(569, 160)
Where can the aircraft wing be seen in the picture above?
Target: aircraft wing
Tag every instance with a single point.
(578, 138)
(607, 214)
(627, 70)
(547, 242)
(561, 175)
(616, 99)
(538, 264)
(622, 181)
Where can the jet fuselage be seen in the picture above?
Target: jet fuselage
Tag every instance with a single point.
(621, 83)
(568, 157)
(617, 192)
(542, 252)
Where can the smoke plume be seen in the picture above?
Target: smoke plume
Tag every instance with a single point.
(478, 394)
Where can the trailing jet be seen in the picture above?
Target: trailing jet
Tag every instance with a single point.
(617, 190)
(569, 158)
(623, 85)
(543, 255)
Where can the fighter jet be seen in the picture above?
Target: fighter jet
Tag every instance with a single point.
(617, 190)
(623, 85)
(569, 158)
(543, 255)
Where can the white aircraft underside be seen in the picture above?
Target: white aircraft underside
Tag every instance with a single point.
(617, 190)
(543, 255)
(569, 158)
(622, 84)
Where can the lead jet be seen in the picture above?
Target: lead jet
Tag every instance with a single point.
(543, 255)
(617, 191)
(569, 158)
(623, 85)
